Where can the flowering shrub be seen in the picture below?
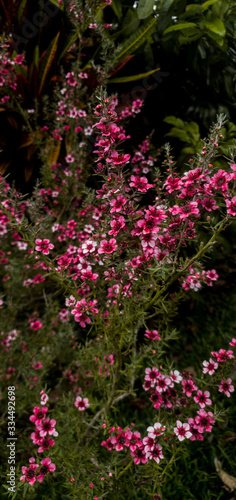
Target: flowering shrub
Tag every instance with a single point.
(91, 276)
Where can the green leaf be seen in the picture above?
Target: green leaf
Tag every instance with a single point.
(174, 121)
(207, 4)
(217, 27)
(132, 78)
(21, 10)
(135, 40)
(145, 8)
(182, 135)
(196, 7)
(188, 150)
(130, 23)
(117, 8)
(177, 27)
(191, 10)
(164, 18)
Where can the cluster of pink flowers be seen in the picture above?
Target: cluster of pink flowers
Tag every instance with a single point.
(29, 473)
(44, 429)
(141, 450)
(7, 71)
(198, 277)
(82, 309)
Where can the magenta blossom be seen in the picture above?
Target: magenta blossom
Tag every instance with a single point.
(226, 387)
(182, 431)
(29, 472)
(39, 414)
(210, 366)
(81, 403)
(43, 246)
(47, 466)
(202, 398)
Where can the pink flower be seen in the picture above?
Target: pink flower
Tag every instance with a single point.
(44, 398)
(117, 203)
(119, 441)
(175, 376)
(81, 403)
(47, 466)
(117, 159)
(210, 366)
(45, 443)
(116, 225)
(89, 246)
(152, 375)
(156, 431)
(182, 431)
(149, 443)
(209, 204)
(233, 342)
(140, 183)
(107, 246)
(220, 180)
(47, 426)
(39, 414)
(223, 355)
(133, 439)
(172, 183)
(202, 398)
(155, 453)
(43, 246)
(204, 421)
(36, 324)
(152, 335)
(163, 382)
(226, 387)
(188, 387)
(29, 472)
(139, 455)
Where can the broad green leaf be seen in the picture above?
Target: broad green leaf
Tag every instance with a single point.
(172, 120)
(47, 61)
(220, 8)
(145, 8)
(193, 126)
(182, 135)
(135, 40)
(130, 23)
(132, 78)
(164, 18)
(207, 4)
(194, 6)
(181, 26)
(117, 8)
(188, 150)
(216, 26)
(21, 10)
(189, 38)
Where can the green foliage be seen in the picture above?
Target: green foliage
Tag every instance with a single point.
(145, 8)
(185, 132)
